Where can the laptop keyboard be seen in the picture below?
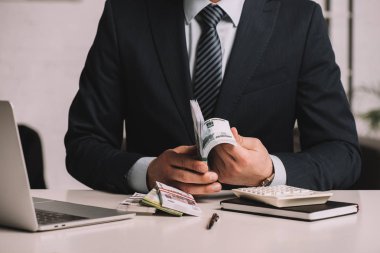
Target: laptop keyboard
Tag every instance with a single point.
(46, 217)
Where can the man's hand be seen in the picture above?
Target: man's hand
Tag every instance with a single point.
(247, 164)
(179, 168)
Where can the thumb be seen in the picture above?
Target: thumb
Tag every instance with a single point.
(238, 138)
(245, 142)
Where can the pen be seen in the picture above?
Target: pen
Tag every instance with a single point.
(214, 218)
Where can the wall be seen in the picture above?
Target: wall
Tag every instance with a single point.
(43, 46)
(366, 61)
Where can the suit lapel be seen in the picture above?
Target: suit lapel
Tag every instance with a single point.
(168, 29)
(253, 34)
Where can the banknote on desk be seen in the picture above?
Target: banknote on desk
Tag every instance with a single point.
(176, 199)
(133, 204)
(152, 199)
(209, 133)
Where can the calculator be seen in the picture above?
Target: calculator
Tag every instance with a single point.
(283, 195)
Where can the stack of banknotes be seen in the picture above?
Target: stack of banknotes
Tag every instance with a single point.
(163, 197)
(209, 133)
(133, 204)
(171, 200)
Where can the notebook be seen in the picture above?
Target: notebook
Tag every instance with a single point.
(18, 209)
(305, 213)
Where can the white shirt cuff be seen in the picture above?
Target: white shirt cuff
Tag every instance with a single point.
(279, 170)
(136, 177)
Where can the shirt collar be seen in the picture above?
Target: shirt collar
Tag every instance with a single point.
(233, 8)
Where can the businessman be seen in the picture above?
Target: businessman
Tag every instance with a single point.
(260, 64)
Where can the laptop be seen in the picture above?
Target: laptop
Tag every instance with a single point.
(18, 209)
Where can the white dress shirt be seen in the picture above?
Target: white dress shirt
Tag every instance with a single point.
(226, 30)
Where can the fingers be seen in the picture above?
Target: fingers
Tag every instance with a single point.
(199, 189)
(192, 176)
(189, 177)
(184, 161)
(177, 167)
(186, 150)
(228, 152)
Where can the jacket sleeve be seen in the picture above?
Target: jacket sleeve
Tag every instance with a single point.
(95, 131)
(330, 157)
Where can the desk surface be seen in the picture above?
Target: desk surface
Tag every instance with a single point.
(234, 232)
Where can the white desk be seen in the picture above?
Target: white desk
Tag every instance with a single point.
(233, 233)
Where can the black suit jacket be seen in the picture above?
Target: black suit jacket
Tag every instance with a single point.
(281, 69)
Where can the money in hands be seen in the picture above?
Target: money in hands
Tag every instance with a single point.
(209, 133)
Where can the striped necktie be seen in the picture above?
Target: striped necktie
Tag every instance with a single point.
(208, 64)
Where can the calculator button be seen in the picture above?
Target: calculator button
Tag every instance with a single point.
(283, 195)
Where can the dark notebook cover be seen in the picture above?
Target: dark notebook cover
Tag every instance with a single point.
(298, 212)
